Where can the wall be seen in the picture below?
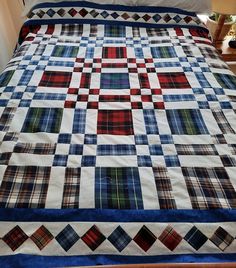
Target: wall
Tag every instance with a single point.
(10, 23)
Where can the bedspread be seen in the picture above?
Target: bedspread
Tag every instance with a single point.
(118, 140)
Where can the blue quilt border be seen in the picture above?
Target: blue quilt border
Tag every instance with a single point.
(29, 261)
(109, 215)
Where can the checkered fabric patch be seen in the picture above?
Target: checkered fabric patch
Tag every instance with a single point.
(65, 51)
(6, 118)
(221, 238)
(195, 238)
(93, 238)
(163, 52)
(15, 238)
(24, 187)
(170, 238)
(114, 52)
(145, 238)
(164, 188)
(6, 77)
(173, 80)
(189, 122)
(222, 122)
(115, 122)
(67, 237)
(115, 81)
(55, 79)
(209, 188)
(42, 237)
(118, 188)
(119, 239)
(71, 188)
(43, 120)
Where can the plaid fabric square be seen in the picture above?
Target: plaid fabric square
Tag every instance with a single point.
(228, 161)
(155, 149)
(141, 139)
(24, 187)
(42, 237)
(25, 78)
(4, 158)
(43, 120)
(157, 32)
(85, 80)
(188, 122)
(65, 51)
(145, 238)
(115, 81)
(71, 188)
(60, 160)
(67, 237)
(114, 53)
(5, 78)
(64, 138)
(173, 80)
(144, 161)
(6, 118)
(209, 188)
(144, 82)
(76, 149)
(164, 188)
(72, 29)
(56, 79)
(90, 139)
(226, 80)
(88, 161)
(118, 188)
(163, 52)
(119, 239)
(117, 149)
(166, 139)
(93, 238)
(114, 31)
(79, 121)
(172, 161)
(196, 149)
(222, 122)
(170, 238)
(222, 239)
(115, 122)
(15, 238)
(150, 121)
(195, 238)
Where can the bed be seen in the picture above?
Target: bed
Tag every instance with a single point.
(118, 139)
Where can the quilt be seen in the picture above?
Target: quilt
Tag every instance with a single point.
(118, 140)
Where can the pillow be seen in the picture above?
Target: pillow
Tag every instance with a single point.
(198, 6)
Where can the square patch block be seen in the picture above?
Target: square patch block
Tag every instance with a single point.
(118, 188)
(113, 122)
(115, 81)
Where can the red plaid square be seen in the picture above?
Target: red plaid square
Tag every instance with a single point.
(114, 52)
(15, 238)
(93, 238)
(173, 80)
(85, 80)
(170, 238)
(55, 79)
(42, 237)
(144, 80)
(145, 238)
(115, 122)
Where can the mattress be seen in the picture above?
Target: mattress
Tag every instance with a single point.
(118, 140)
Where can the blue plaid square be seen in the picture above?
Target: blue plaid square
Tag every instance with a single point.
(195, 238)
(118, 149)
(79, 121)
(202, 80)
(60, 160)
(166, 139)
(150, 122)
(144, 161)
(163, 52)
(67, 237)
(114, 31)
(226, 80)
(76, 149)
(172, 161)
(141, 139)
(25, 103)
(155, 149)
(64, 138)
(5, 78)
(43, 120)
(188, 122)
(88, 161)
(17, 95)
(118, 188)
(25, 78)
(119, 239)
(115, 81)
(90, 139)
(65, 51)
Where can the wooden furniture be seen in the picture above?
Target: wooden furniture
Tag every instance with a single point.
(223, 8)
(228, 54)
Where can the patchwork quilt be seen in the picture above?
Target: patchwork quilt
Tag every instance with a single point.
(118, 140)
